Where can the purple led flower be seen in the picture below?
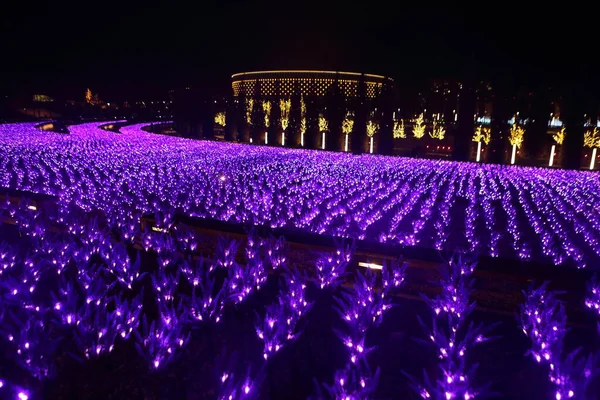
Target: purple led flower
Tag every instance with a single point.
(165, 286)
(234, 387)
(226, 251)
(544, 321)
(235, 380)
(354, 382)
(452, 336)
(17, 392)
(280, 323)
(159, 342)
(33, 345)
(243, 280)
(276, 252)
(96, 331)
(592, 300)
(208, 298)
(331, 267)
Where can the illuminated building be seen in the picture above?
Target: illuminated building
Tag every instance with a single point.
(300, 102)
(280, 84)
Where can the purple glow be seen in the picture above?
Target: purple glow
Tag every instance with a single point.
(550, 214)
(526, 213)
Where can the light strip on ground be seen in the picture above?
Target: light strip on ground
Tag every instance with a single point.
(370, 265)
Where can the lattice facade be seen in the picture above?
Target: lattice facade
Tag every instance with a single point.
(308, 83)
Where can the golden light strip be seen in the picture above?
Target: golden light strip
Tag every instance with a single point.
(308, 72)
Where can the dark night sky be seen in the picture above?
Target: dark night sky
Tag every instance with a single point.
(120, 48)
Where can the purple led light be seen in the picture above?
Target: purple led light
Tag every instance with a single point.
(331, 267)
(361, 309)
(549, 214)
(280, 322)
(453, 336)
(592, 300)
(544, 321)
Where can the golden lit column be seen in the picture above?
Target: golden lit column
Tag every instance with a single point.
(372, 128)
(559, 138)
(515, 137)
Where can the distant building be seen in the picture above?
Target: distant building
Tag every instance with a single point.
(305, 83)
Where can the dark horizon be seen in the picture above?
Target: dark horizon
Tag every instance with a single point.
(143, 49)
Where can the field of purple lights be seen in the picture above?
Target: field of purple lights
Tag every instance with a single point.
(93, 306)
(525, 213)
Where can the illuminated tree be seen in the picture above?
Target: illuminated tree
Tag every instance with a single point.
(482, 134)
(92, 99)
(591, 138)
(515, 137)
(347, 124)
(302, 107)
(285, 106)
(559, 137)
(438, 132)
(266, 105)
(220, 118)
(399, 132)
(302, 120)
(372, 128)
(419, 127)
(249, 106)
(323, 126)
(322, 123)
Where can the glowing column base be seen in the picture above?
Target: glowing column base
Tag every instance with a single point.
(323, 141)
(266, 138)
(478, 158)
(514, 154)
(250, 140)
(283, 138)
(593, 161)
(552, 155)
(371, 145)
(302, 139)
(346, 146)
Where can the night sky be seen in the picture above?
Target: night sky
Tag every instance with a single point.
(145, 48)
